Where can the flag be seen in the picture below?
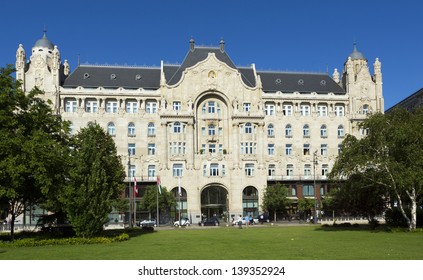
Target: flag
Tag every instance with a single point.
(159, 185)
(179, 186)
(135, 187)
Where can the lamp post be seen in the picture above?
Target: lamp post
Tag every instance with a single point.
(129, 188)
(314, 187)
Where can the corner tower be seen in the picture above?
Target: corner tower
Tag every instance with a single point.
(43, 70)
(364, 90)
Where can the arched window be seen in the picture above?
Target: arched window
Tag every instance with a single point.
(248, 128)
(270, 130)
(177, 127)
(111, 129)
(151, 129)
(340, 131)
(131, 129)
(306, 130)
(288, 130)
(323, 131)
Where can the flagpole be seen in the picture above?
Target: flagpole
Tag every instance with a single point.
(179, 199)
(157, 203)
(129, 189)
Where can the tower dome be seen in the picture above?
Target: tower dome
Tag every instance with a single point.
(356, 54)
(44, 43)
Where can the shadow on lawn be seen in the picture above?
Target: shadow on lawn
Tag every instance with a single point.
(355, 227)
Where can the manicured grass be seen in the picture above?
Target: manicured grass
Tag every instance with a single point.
(277, 242)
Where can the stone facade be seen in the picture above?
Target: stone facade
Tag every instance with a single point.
(220, 132)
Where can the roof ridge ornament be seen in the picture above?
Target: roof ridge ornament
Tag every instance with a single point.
(191, 44)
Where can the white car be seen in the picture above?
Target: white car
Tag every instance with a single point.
(184, 222)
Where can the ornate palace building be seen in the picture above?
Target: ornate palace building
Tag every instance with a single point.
(219, 131)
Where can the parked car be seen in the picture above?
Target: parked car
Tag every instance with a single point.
(235, 221)
(147, 223)
(212, 221)
(183, 222)
(263, 218)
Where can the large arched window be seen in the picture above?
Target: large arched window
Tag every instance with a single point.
(131, 129)
(248, 128)
(323, 131)
(151, 129)
(270, 130)
(111, 129)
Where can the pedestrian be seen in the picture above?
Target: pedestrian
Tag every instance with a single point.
(251, 220)
(240, 222)
(247, 220)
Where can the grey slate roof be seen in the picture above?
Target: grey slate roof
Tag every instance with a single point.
(91, 76)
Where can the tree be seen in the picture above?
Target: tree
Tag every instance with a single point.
(390, 156)
(306, 205)
(149, 201)
(33, 147)
(276, 199)
(359, 196)
(95, 181)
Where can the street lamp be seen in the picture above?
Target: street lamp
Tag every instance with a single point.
(314, 187)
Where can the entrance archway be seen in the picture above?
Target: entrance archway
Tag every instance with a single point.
(214, 202)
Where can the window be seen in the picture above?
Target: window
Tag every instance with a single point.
(323, 131)
(212, 129)
(151, 172)
(111, 129)
(364, 131)
(204, 169)
(287, 109)
(177, 106)
(132, 171)
(151, 107)
(269, 109)
(151, 129)
(324, 150)
(293, 191)
(340, 131)
(306, 131)
(322, 190)
(248, 128)
(70, 105)
(306, 149)
(325, 170)
(248, 148)
(111, 106)
(177, 127)
(211, 107)
(322, 110)
(288, 130)
(307, 170)
(308, 190)
(270, 130)
(365, 109)
(214, 169)
(305, 110)
(288, 150)
(151, 149)
(131, 129)
(204, 109)
(249, 169)
(91, 106)
(131, 149)
(132, 107)
(339, 148)
(271, 149)
(271, 170)
(246, 107)
(290, 170)
(212, 148)
(177, 170)
(339, 110)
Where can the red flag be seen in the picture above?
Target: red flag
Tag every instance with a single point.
(135, 187)
(159, 185)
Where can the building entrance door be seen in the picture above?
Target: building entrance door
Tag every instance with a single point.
(214, 200)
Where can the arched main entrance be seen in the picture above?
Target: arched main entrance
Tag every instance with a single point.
(214, 202)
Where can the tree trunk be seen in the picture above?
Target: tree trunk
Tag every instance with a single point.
(12, 227)
(412, 222)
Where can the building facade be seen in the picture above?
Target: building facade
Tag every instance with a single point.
(219, 132)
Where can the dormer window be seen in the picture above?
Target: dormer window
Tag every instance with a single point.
(113, 77)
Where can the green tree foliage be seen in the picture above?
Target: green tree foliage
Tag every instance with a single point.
(389, 157)
(149, 201)
(306, 207)
(33, 147)
(276, 199)
(95, 181)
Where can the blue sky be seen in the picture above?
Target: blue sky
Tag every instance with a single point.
(309, 36)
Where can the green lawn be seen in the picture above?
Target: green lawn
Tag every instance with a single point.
(277, 242)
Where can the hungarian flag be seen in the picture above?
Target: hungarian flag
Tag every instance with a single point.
(159, 185)
(135, 187)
